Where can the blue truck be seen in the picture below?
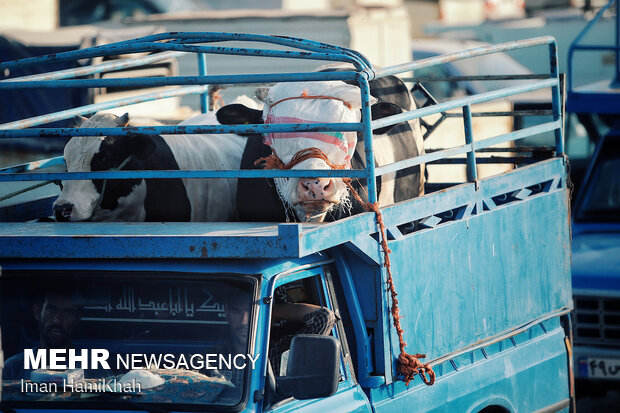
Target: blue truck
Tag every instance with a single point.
(156, 313)
(596, 226)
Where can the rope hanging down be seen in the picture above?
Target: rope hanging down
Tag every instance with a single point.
(408, 365)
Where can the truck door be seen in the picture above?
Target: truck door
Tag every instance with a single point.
(312, 293)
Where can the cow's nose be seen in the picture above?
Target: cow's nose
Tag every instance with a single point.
(316, 188)
(62, 212)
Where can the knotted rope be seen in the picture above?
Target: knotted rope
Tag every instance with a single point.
(304, 95)
(274, 162)
(408, 365)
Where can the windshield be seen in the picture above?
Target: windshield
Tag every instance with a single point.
(601, 201)
(178, 339)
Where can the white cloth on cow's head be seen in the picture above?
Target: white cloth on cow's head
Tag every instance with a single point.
(338, 103)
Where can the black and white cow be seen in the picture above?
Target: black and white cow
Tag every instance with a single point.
(151, 200)
(319, 199)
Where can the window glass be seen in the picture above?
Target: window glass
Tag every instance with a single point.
(602, 201)
(176, 339)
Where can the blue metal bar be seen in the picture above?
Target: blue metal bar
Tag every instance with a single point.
(32, 166)
(451, 57)
(575, 43)
(96, 107)
(460, 102)
(458, 150)
(367, 133)
(595, 47)
(103, 67)
(179, 80)
(202, 71)
(616, 81)
(472, 174)
(207, 173)
(181, 129)
(362, 343)
(555, 98)
(208, 37)
(110, 50)
(366, 126)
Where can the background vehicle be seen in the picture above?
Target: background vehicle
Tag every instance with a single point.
(596, 231)
(463, 11)
(483, 269)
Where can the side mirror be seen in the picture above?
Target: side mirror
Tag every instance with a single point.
(313, 368)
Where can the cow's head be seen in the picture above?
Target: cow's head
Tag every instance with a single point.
(102, 200)
(309, 102)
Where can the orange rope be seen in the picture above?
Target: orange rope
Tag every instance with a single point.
(408, 365)
(304, 95)
(274, 162)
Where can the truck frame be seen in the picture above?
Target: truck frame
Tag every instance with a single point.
(482, 268)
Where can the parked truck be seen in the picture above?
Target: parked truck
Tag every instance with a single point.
(595, 225)
(158, 312)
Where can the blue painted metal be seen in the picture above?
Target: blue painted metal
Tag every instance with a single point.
(472, 174)
(178, 80)
(457, 150)
(368, 144)
(202, 71)
(99, 68)
(115, 49)
(242, 240)
(555, 96)
(33, 166)
(96, 107)
(481, 292)
(600, 97)
(185, 129)
(469, 53)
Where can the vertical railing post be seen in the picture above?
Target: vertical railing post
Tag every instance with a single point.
(367, 132)
(555, 98)
(202, 71)
(617, 79)
(472, 174)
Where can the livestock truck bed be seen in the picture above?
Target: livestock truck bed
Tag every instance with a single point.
(481, 268)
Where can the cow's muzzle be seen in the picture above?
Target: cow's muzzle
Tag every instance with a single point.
(62, 212)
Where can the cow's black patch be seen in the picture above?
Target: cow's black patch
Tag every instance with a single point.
(166, 199)
(257, 199)
(237, 114)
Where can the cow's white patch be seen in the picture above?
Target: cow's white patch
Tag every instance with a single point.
(384, 155)
(211, 199)
(81, 195)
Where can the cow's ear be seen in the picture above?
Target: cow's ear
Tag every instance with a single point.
(141, 146)
(238, 114)
(123, 121)
(382, 110)
(78, 120)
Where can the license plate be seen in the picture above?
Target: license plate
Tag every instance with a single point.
(599, 368)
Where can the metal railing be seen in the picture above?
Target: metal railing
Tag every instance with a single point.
(303, 49)
(577, 46)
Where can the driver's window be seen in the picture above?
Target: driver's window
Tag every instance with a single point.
(299, 307)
